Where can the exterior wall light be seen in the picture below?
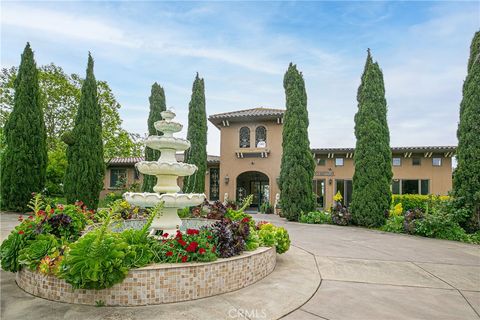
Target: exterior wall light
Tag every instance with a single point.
(227, 179)
(330, 181)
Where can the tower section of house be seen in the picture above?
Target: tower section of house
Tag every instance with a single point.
(250, 153)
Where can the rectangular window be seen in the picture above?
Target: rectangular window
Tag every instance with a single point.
(338, 162)
(214, 184)
(118, 177)
(424, 187)
(321, 162)
(340, 187)
(396, 162)
(410, 187)
(319, 190)
(416, 161)
(345, 187)
(436, 162)
(396, 186)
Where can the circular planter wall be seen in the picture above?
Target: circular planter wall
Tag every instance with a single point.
(160, 283)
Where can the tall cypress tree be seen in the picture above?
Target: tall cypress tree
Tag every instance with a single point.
(157, 105)
(24, 161)
(373, 156)
(298, 165)
(86, 167)
(197, 134)
(466, 183)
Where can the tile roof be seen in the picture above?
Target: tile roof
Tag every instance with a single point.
(248, 113)
(394, 149)
(130, 161)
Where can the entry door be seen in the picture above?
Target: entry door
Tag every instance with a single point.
(257, 188)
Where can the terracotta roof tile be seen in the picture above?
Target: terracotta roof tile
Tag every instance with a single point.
(255, 112)
(130, 161)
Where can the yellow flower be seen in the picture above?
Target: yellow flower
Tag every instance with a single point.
(338, 197)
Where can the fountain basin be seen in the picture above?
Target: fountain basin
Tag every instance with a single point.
(162, 142)
(174, 200)
(166, 168)
(159, 283)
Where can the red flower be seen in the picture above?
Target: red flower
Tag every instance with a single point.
(182, 242)
(41, 212)
(184, 259)
(171, 245)
(21, 232)
(192, 232)
(178, 235)
(201, 251)
(165, 235)
(79, 203)
(60, 206)
(209, 237)
(20, 218)
(169, 254)
(52, 211)
(30, 217)
(213, 249)
(246, 219)
(192, 247)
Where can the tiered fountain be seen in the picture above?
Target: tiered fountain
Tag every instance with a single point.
(167, 170)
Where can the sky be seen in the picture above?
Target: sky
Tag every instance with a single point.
(242, 50)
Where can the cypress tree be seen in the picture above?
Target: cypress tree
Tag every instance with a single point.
(197, 135)
(466, 183)
(157, 105)
(373, 157)
(86, 167)
(24, 160)
(298, 165)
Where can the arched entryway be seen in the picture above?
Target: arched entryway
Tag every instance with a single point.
(256, 183)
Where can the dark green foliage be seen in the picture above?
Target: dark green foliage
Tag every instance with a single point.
(10, 249)
(394, 224)
(157, 105)
(373, 172)
(24, 160)
(86, 167)
(297, 168)
(466, 183)
(197, 135)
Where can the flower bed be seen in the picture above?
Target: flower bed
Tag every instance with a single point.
(159, 283)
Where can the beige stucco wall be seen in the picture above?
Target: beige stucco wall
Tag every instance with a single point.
(232, 166)
(440, 177)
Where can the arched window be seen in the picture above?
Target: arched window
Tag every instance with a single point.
(261, 137)
(244, 137)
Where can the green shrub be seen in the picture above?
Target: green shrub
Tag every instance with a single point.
(394, 224)
(253, 240)
(36, 249)
(95, 261)
(414, 201)
(272, 236)
(266, 207)
(316, 217)
(440, 225)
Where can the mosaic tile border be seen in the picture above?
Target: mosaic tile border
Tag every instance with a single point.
(160, 283)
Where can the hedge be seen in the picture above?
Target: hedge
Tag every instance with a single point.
(413, 201)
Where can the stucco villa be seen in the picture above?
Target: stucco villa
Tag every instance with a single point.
(250, 157)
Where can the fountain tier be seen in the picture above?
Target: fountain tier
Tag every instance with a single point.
(167, 170)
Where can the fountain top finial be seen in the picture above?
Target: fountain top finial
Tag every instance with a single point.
(168, 114)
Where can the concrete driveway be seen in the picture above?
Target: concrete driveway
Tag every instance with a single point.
(331, 273)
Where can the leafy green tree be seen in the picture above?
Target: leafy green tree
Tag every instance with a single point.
(298, 165)
(57, 164)
(24, 160)
(466, 183)
(157, 105)
(197, 134)
(371, 195)
(60, 97)
(86, 166)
